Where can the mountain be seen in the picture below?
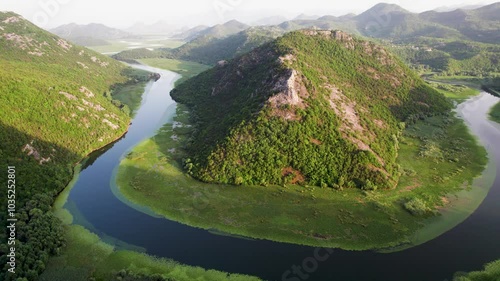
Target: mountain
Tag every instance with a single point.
(89, 35)
(224, 30)
(482, 24)
(53, 112)
(385, 21)
(191, 33)
(390, 21)
(214, 32)
(157, 28)
(455, 7)
(209, 50)
(312, 107)
(379, 10)
(52, 71)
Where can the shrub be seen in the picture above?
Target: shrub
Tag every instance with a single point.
(416, 207)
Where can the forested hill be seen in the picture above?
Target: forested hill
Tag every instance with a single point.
(54, 91)
(312, 107)
(52, 113)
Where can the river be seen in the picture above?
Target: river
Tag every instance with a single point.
(466, 247)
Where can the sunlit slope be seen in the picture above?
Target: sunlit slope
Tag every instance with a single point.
(313, 107)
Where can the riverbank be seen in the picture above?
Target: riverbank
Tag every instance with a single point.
(437, 155)
(91, 253)
(87, 254)
(491, 272)
(495, 113)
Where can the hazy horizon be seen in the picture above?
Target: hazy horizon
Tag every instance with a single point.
(52, 13)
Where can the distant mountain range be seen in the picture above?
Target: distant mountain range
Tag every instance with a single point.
(390, 21)
(157, 28)
(216, 31)
(455, 7)
(386, 21)
(93, 34)
(191, 33)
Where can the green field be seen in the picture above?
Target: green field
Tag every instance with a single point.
(469, 81)
(434, 167)
(185, 68)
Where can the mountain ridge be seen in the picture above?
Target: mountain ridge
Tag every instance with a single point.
(92, 34)
(259, 123)
(396, 25)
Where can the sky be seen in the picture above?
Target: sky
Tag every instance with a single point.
(124, 13)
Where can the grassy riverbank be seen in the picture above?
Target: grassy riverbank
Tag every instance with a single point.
(495, 113)
(454, 90)
(187, 69)
(491, 272)
(438, 157)
(86, 256)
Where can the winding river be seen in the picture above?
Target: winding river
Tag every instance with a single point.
(466, 247)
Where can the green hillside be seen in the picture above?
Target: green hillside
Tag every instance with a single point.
(482, 24)
(208, 50)
(54, 91)
(223, 30)
(313, 107)
(451, 57)
(55, 108)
